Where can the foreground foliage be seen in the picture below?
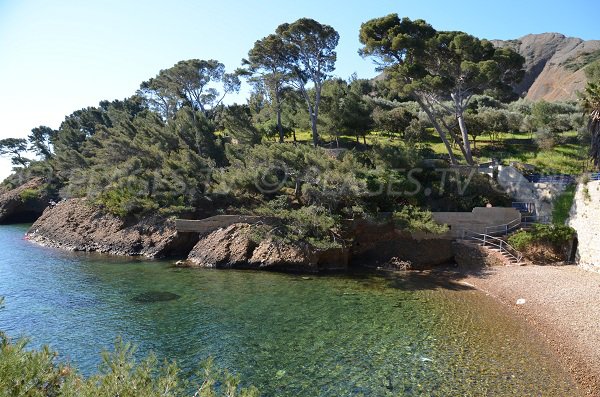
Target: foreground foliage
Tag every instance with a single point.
(544, 243)
(36, 373)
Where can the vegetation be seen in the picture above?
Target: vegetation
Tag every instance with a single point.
(359, 147)
(37, 373)
(591, 106)
(562, 206)
(544, 243)
(441, 71)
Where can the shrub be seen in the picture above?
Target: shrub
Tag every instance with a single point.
(29, 194)
(416, 220)
(544, 243)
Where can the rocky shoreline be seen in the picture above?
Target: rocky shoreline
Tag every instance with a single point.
(76, 225)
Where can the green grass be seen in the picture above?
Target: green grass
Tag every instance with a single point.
(562, 206)
(566, 158)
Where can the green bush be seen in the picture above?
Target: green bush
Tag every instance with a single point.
(311, 224)
(416, 220)
(557, 236)
(29, 194)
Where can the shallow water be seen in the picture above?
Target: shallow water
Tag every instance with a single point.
(355, 335)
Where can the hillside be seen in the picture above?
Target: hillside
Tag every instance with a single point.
(554, 64)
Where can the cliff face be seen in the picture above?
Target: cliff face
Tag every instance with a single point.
(74, 225)
(25, 203)
(554, 65)
(585, 219)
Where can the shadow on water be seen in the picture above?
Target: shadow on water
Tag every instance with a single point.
(442, 278)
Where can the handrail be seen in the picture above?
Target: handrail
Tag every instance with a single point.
(505, 228)
(487, 239)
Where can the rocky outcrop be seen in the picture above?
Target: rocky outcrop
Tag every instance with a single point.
(554, 65)
(232, 247)
(585, 219)
(375, 244)
(24, 203)
(76, 225)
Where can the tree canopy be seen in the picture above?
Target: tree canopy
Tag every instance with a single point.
(440, 70)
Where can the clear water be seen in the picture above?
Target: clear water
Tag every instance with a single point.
(336, 336)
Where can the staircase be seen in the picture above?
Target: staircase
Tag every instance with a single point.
(495, 244)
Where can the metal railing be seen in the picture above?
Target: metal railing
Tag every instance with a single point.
(503, 230)
(529, 220)
(487, 240)
(524, 206)
(561, 179)
(594, 176)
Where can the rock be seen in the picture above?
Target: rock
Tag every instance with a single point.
(232, 247)
(521, 301)
(377, 243)
(24, 203)
(553, 65)
(396, 263)
(76, 225)
(224, 248)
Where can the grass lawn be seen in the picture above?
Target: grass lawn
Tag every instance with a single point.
(568, 157)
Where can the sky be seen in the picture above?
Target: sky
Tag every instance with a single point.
(62, 55)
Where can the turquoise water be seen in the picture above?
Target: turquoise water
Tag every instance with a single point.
(355, 335)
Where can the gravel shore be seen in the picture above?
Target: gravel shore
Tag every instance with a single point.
(561, 302)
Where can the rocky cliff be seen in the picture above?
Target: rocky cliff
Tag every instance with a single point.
(75, 225)
(24, 203)
(585, 219)
(554, 65)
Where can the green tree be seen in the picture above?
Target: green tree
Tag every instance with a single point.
(41, 139)
(189, 83)
(435, 67)
(591, 106)
(268, 66)
(14, 147)
(310, 53)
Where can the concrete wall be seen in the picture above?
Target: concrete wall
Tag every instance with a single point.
(477, 220)
(585, 219)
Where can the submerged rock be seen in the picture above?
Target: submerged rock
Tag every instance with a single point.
(155, 296)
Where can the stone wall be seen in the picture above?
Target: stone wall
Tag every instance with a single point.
(477, 220)
(585, 219)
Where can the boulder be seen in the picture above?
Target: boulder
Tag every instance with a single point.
(233, 247)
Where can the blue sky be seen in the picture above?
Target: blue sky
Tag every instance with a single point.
(61, 55)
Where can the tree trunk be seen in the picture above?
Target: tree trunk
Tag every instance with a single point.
(465, 138)
(438, 129)
(279, 126)
(315, 133)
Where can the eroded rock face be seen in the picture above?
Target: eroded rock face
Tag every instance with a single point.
(232, 247)
(553, 65)
(224, 248)
(75, 225)
(25, 203)
(376, 244)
